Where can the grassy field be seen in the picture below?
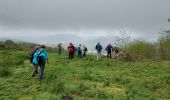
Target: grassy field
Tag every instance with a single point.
(85, 79)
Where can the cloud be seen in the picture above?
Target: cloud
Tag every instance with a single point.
(87, 19)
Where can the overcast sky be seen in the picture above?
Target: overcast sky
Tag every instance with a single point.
(33, 20)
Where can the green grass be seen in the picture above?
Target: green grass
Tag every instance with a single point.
(85, 79)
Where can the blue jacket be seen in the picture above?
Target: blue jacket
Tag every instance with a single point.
(44, 54)
(98, 47)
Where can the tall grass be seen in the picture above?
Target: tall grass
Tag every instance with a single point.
(86, 79)
(4, 72)
(12, 58)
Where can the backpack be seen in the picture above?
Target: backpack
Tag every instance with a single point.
(85, 49)
(32, 56)
(40, 59)
(70, 49)
(78, 49)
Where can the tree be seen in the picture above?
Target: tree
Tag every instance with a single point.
(123, 40)
(165, 45)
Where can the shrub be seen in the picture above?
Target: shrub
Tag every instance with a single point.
(142, 48)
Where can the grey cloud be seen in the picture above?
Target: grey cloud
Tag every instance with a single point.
(142, 16)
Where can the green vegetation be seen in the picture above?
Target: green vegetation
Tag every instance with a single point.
(159, 50)
(22, 46)
(145, 49)
(165, 45)
(87, 79)
(84, 79)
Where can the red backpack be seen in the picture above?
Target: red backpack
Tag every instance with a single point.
(70, 49)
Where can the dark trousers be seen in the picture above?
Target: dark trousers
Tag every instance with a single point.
(71, 55)
(41, 72)
(35, 71)
(79, 54)
(59, 51)
(109, 54)
(84, 54)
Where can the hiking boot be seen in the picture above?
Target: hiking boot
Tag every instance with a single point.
(33, 75)
(36, 72)
(40, 78)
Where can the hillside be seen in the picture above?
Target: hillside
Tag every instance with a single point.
(84, 79)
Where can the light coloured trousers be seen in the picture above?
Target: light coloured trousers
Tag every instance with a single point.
(98, 55)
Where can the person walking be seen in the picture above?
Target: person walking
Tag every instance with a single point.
(109, 50)
(116, 51)
(99, 49)
(79, 50)
(59, 47)
(32, 57)
(40, 58)
(71, 50)
(84, 50)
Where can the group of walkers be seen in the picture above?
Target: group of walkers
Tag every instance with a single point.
(81, 51)
(110, 49)
(39, 56)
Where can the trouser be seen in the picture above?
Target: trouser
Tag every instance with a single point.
(59, 51)
(84, 54)
(79, 54)
(71, 54)
(98, 55)
(109, 54)
(41, 72)
(35, 71)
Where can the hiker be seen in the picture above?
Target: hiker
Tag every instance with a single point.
(59, 48)
(40, 58)
(32, 53)
(71, 50)
(109, 49)
(79, 50)
(116, 51)
(32, 57)
(84, 50)
(99, 49)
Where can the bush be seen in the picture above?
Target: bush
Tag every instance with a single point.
(142, 48)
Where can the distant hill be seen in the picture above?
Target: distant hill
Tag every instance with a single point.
(6, 44)
(3, 39)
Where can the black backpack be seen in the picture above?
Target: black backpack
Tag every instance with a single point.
(79, 49)
(85, 49)
(40, 59)
(32, 56)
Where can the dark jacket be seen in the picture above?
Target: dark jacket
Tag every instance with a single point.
(98, 47)
(109, 48)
